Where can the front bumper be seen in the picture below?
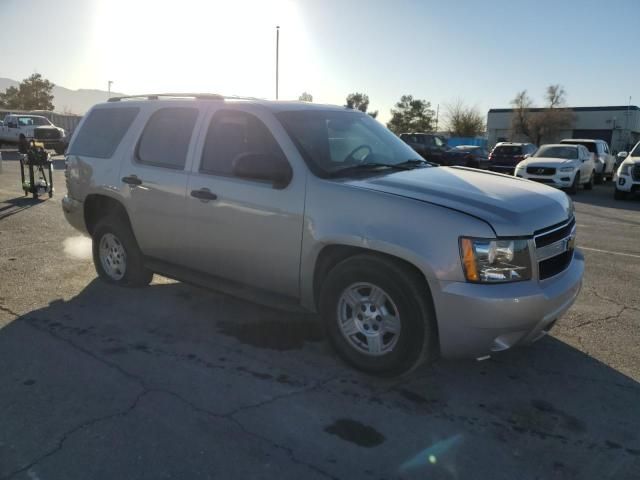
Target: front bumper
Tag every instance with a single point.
(559, 180)
(626, 183)
(74, 213)
(476, 320)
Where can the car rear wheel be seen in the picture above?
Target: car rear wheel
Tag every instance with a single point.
(378, 315)
(116, 255)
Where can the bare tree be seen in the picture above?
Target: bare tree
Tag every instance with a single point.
(463, 120)
(306, 97)
(521, 113)
(545, 124)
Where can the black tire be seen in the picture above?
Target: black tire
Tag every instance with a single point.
(135, 274)
(573, 189)
(589, 184)
(408, 291)
(619, 194)
(598, 179)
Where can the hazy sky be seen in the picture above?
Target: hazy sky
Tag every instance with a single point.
(479, 51)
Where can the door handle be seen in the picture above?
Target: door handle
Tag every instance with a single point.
(132, 180)
(204, 194)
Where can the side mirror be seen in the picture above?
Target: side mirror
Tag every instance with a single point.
(622, 155)
(263, 166)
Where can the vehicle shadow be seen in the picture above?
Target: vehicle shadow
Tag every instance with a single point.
(86, 383)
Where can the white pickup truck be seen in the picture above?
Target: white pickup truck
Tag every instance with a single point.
(16, 129)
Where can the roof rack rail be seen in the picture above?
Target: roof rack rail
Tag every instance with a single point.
(156, 96)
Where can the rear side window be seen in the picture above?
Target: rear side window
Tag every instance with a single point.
(508, 150)
(102, 132)
(232, 133)
(165, 140)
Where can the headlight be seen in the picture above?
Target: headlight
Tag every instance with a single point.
(567, 169)
(495, 261)
(625, 170)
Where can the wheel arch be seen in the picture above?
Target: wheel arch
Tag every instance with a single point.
(97, 206)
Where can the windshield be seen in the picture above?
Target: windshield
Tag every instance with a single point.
(28, 121)
(332, 140)
(591, 146)
(557, 151)
(636, 151)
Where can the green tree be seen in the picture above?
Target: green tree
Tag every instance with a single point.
(360, 101)
(305, 97)
(464, 121)
(33, 93)
(411, 115)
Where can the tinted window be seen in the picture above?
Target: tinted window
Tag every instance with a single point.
(166, 137)
(508, 150)
(231, 134)
(102, 132)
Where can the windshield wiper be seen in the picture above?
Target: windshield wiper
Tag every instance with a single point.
(369, 166)
(416, 162)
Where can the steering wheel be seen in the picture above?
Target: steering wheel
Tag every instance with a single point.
(355, 150)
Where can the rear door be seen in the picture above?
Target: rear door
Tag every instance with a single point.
(154, 181)
(247, 231)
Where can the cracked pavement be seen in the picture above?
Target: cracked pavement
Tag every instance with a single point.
(173, 381)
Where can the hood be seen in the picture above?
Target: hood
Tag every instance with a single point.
(512, 206)
(548, 162)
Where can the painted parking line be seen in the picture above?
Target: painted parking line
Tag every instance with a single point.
(609, 252)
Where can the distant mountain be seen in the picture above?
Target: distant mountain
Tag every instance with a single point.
(66, 100)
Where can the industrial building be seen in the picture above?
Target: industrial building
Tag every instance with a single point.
(619, 126)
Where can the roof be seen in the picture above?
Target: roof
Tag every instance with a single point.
(613, 108)
(571, 140)
(275, 105)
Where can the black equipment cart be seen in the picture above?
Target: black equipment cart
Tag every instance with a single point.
(38, 163)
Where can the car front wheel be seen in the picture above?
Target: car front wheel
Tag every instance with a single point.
(378, 314)
(573, 189)
(589, 184)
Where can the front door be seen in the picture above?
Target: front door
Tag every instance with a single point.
(244, 230)
(155, 182)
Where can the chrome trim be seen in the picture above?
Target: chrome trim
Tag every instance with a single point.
(560, 227)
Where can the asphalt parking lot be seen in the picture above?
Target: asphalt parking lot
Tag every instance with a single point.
(172, 381)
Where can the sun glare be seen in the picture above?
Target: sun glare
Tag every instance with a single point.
(211, 46)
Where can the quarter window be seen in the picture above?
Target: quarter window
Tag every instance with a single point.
(165, 140)
(102, 132)
(231, 134)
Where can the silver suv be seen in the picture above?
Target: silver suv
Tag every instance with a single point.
(321, 207)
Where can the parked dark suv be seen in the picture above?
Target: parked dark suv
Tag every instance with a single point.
(431, 147)
(506, 155)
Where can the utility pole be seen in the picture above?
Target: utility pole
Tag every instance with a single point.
(277, 57)
(109, 88)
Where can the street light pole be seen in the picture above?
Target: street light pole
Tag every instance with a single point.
(277, 57)
(109, 88)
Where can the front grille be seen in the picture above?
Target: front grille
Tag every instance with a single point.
(541, 170)
(554, 234)
(46, 134)
(542, 180)
(554, 265)
(554, 248)
(635, 173)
